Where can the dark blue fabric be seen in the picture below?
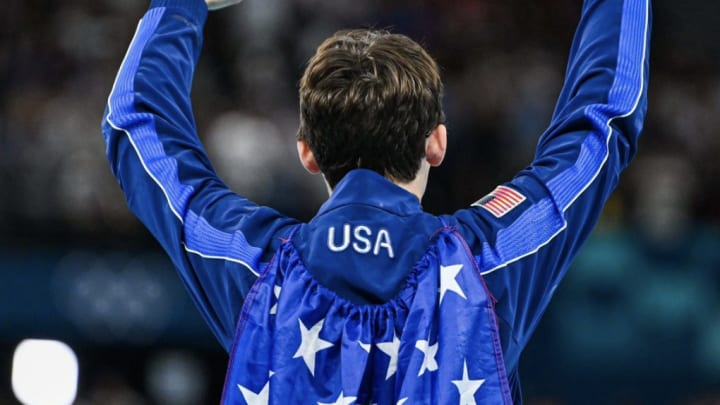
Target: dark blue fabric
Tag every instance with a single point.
(366, 278)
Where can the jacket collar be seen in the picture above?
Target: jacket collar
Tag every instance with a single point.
(366, 187)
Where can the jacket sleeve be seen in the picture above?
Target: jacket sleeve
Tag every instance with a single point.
(525, 234)
(216, 239)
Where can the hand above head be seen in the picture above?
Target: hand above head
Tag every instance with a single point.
(218, 4)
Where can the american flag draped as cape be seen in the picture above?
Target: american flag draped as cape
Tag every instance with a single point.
(436, 342)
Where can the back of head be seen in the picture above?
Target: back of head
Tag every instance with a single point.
(369, 99)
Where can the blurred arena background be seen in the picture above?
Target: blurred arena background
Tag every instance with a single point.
(636, 321)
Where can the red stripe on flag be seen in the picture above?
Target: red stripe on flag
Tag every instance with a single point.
(501, 201)
(509, 194)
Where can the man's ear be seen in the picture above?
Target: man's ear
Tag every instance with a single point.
(307, 158)
(436, 146)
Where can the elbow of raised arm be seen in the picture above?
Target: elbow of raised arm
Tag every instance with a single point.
(626, 133)
(111, 138)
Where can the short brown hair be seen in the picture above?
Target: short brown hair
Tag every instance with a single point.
(369, 99)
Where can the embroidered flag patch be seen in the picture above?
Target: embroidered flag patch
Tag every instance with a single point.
(501, 201)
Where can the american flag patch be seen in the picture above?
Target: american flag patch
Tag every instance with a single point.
(501, 201)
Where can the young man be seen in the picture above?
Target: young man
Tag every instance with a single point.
(373, 300)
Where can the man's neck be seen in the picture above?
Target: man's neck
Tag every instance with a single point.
(415, 187)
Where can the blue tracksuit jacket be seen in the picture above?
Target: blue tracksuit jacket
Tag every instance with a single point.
(365, 241)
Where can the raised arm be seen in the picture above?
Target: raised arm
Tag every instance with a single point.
(218, 240)
(524, 236)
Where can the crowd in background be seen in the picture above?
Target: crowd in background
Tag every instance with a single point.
(638, 317)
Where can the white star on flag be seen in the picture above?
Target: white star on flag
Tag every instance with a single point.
(467, 387)
(341, 400)
(391, 349)
(365, 346)
(448, 281)
(402, 401)
(276, 292)
(261, 398)
(429, 363)
(310, 344)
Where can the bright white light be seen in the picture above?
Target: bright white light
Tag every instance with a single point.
(44, 372)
